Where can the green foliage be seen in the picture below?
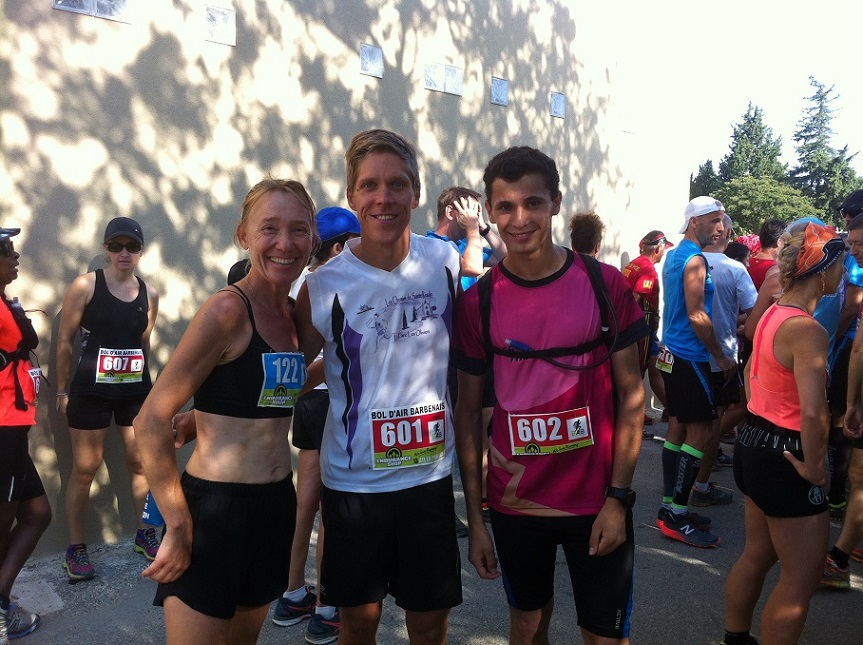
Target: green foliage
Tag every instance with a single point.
(755, 186)
(753, 150)
(822, 173)
(751, 200)
(705, 182)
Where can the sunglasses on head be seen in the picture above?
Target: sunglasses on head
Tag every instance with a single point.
(131, 247)
(7, 249)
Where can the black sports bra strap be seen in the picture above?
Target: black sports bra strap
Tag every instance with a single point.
(239, 292)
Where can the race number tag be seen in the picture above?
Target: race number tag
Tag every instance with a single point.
(664, 360)
(411, 436)
(120, 366)
(550, 434)
(35, 374)
(284, 377)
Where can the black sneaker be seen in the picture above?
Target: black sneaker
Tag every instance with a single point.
(321, 631)
(680, 528)
(289, 613)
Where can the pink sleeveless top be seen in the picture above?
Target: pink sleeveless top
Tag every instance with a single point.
(773, 391)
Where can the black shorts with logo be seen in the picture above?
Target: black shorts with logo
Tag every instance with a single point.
(763, 474)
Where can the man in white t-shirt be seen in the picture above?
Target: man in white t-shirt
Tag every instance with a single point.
(382, 310)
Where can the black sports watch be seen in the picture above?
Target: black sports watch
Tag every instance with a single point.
(625, 496)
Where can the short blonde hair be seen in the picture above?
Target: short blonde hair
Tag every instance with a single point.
(381, 141)
(271, 184)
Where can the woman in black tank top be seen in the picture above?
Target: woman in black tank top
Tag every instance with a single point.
(230, 516)
(114, 312)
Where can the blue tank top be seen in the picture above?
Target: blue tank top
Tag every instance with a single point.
(259, 384)
(677, 333)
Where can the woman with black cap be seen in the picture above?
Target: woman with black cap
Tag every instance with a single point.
(115, 311)
(781, 451)
(23, 503)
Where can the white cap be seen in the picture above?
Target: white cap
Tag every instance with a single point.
(698, 207)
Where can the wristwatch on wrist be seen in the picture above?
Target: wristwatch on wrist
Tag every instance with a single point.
(484, 231)
(625, 496)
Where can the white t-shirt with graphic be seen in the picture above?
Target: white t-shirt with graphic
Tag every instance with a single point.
(386, 351)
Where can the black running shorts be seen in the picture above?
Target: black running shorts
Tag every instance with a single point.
(762, 473)
(310, 416)
(92, 412)
(602, 585)
(241, 545)
(689, 391)
(400, 542)
(19, 480)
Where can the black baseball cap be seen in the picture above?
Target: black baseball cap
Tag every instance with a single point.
(124, 226)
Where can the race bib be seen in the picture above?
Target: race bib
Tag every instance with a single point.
(120, 366)
(284, 377)
(664, 360)
(411, 436)
(550, 434)
(35, 374)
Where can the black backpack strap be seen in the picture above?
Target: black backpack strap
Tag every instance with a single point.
(484, 286)
(594, 272)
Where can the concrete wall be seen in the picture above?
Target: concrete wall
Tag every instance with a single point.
(150, 120)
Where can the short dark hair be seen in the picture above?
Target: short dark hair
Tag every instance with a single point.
(856, 223)
(771, 231)
(451, 195)
(323, 253)
(516, 162)
(585, 231)
(737, 251)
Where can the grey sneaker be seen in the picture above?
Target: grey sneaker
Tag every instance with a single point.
(15, 622)
(714, 496)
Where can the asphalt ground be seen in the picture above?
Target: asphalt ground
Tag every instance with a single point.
(679, 590)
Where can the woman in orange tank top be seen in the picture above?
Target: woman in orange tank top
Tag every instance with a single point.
(780, 457)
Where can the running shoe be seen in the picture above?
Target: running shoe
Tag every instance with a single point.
(289, 613)
(681, 528)
(15, 621)
(750, 641)
(146, 543)
(321, 631)
(714, 496)
(77, 563)
(701, 522)
(835, 576)
(857, 555)
(726, 461)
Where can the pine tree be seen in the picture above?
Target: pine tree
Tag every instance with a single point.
(753, 151)
(823, 173)
(706, 182)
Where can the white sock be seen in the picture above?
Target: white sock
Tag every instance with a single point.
(326, 611)
(296, 595)
(701, 487)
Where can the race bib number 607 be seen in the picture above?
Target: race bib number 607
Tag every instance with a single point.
(119, 365)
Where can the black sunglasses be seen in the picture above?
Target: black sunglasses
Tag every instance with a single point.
(7, 249)
(131, 247)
